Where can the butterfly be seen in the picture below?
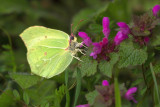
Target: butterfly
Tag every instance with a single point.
(49, 51)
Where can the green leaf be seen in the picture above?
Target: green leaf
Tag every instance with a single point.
(130, 54)
(117, 92)
(156, 86)
(137, 82)
(88, 66)
(67, 91)
(6, 99)
(91, 97)
(84, 15)
(156, 68)
(78, 86)
(107, 66)
(26, 98)
(155, 36)
(16, 94)
(95, 28)
(59, 93)
(25, 80)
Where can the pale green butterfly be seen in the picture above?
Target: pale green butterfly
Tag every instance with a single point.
(49, 51)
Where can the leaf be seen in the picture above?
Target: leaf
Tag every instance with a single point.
(117, 93)
(78, 87)
(6, 99)
(107, 66)
(25, 80)
(16, 94)
(131, 55)
(59, 93)
(155, 36)
(157, 98)
(84, 15)
(156, 68)
(26, 98)
(67, 91)
(87, 66)
(95, 28)
(91, 97)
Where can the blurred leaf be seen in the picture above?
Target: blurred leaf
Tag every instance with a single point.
(88, 66)
(25, 80)
(131, 55)
(78, 87)
(95, 28)
(84, 15)
(107, 66)
(58, 96)
(67, 91)
(45, 105)
(117, 92)
(26, 98)
(156, 93)
(6, 99)
(91, 97)
(156, 68)
(137, 82)
(155, 36)
(16, 94)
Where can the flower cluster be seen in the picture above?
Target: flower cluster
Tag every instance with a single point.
(106, 95)
(102, 48)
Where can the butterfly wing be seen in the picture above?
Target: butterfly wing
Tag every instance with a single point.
(46, 50)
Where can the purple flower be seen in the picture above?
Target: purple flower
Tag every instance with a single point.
(105, 83)
(96, 49)
(120, 36)
(155, 10)
(124, 28)
(86, 39)
(146, 39)
(129, 94)
(104, 41)
(105, 23)
(85, 105)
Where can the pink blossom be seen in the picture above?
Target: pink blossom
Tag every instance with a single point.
(105, 23)
(96, 49)
(129, 94)
(155, 10)
(86, 39)
(105, 83)
(120, 36)
(146, 39)
(85, 105)
(124, 27)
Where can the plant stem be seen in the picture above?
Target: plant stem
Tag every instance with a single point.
(144, 75)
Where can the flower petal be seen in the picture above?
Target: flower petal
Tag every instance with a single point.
(129, 94)
(146, 39)
(86, 39)
(124, 27)
(156, 9)
(105, 23)
(85, 105)
(105, 83)
(120, 36)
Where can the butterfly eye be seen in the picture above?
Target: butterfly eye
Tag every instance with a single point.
(71, 37)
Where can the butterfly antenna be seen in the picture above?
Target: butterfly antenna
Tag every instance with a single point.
(77, 25)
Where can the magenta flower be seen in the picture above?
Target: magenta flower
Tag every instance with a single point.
(105, 83)
(86, 39)
(124, 28)
(120, 36)
(96, 50)
(155, 10)
(146, 39)
(85, 105)
(129, 94)
(105, 23)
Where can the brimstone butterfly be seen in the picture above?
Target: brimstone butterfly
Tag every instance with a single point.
(49, 51)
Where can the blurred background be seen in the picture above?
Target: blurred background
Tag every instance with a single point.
(17, 15)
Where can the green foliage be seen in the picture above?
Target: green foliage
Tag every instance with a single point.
(156, 37)
(91, 97)
(25, 80)
(131, 55)
(26, 98)
(78, 87)
(16, 94)
(7, 99)
(106, 67)
(58, 96)
(156, 68)
(88, 66)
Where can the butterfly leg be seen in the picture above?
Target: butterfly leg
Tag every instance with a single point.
(80, 50)
(77, 58)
